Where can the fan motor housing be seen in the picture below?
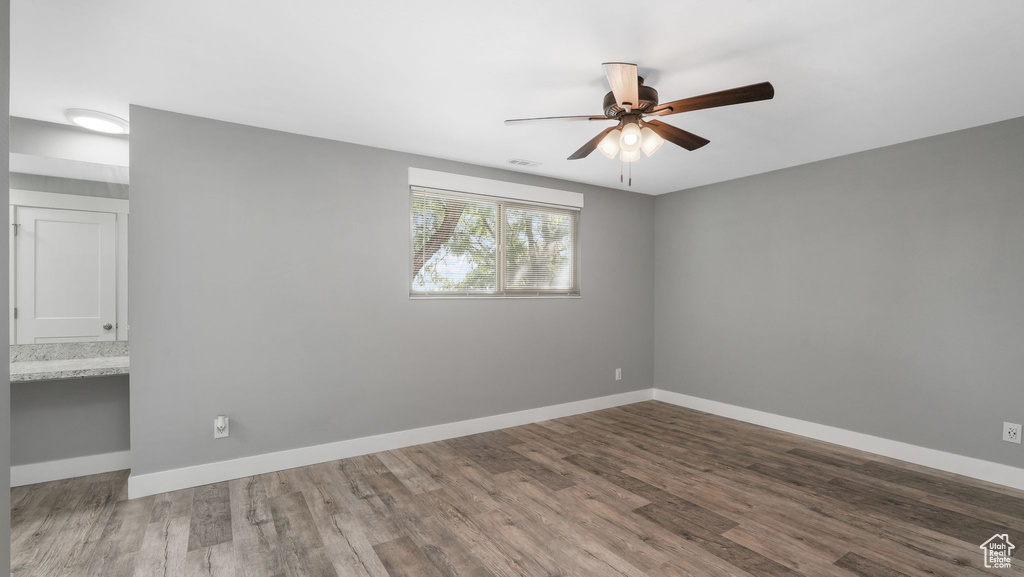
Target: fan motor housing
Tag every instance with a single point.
(648, 99)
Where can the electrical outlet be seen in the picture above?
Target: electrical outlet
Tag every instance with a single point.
(618, 374)
(1011, 433)
(221, 427)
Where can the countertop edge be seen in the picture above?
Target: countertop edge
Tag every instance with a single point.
(69, 375)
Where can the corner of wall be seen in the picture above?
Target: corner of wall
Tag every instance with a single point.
(5, 388)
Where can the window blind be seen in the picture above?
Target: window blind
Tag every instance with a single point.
(454, 244)
(471, 245)
(539, 250)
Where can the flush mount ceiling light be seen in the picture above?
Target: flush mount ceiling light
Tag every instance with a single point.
(630, 101)
(98, 121)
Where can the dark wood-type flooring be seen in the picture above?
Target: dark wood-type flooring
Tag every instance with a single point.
(645, 489)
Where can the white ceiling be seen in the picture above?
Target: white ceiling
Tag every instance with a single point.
(438, 78)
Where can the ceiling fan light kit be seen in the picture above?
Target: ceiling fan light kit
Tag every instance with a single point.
(630, 101)
(630, 139)
(651, 141)
(610, 144)
(629, 155)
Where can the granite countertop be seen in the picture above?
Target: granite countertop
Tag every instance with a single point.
(68, 360)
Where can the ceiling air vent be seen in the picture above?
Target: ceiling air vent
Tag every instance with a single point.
(521, 162)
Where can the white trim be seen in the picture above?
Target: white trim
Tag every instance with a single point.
(38, 199)
(183, 478)
(174, 479)
(68, 468)
(487, 187)
(952, 463)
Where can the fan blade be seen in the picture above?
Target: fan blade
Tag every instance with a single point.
(752, 93)
(591, 145)
(594, 117)
(625, 84)
(677, 136)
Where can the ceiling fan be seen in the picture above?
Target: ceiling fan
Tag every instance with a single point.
(630, 102)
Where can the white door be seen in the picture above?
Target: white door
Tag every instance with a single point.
(65, 275)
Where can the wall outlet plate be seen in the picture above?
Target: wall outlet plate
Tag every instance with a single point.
(618, 374)
(219, 434)
(1011, 433)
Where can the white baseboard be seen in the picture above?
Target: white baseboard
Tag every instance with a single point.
(172, 480)
(949, 462)
(68, 468)
(175, 479)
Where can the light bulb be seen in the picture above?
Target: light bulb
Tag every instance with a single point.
(651, 141)
(629, 155)
(630, 140)
(610, 144)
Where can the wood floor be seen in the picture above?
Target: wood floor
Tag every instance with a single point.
(645, 489)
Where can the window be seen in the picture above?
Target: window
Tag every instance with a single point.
(467, 245)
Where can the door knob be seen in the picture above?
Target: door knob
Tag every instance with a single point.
(108, 326)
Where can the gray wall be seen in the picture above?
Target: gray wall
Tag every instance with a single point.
(5, 397)
(269, 282)
(52, 420)
(49, 139)
(41, 183)
(81, 417)
(881, 292)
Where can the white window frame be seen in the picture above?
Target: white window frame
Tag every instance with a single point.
(501, 193)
